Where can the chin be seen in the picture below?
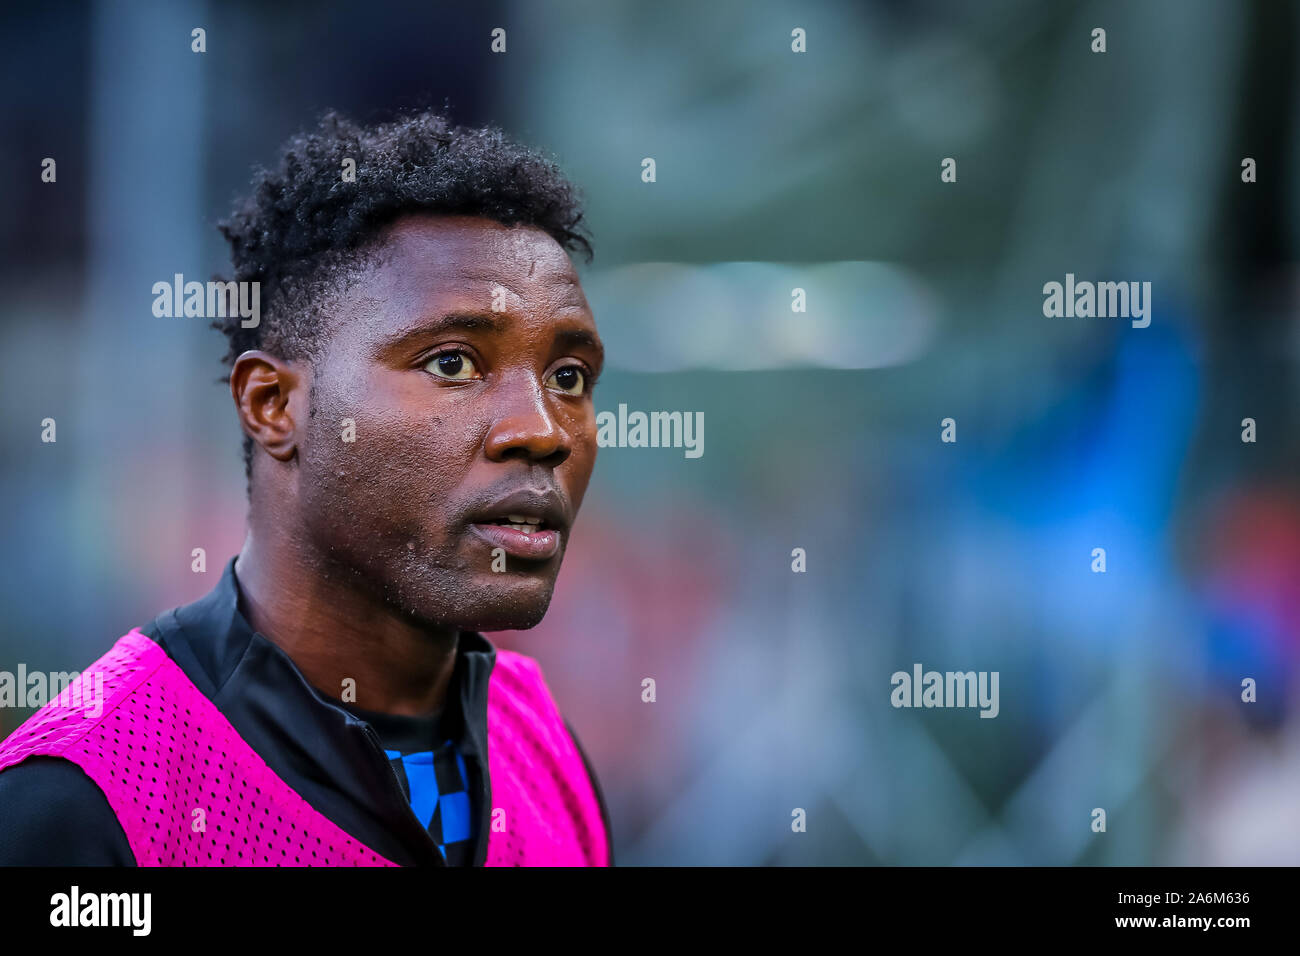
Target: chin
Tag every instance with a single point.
(503, 605)
(501, 619)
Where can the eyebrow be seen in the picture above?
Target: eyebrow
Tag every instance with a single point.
(458, 322)
(572, 338)
(496, 322)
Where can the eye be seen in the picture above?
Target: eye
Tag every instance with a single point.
(571, 379)
(456, 366)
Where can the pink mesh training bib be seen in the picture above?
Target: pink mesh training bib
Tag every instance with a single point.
(189, 791)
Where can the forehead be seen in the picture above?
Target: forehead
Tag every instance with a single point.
(426, 268)
(425, 257)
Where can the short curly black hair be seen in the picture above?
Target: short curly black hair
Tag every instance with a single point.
(304, 230)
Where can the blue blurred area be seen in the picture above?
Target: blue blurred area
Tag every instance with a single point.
(823, 428)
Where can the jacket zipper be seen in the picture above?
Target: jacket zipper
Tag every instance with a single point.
(395, 788)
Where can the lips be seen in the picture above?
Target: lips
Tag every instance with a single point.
(527, 524)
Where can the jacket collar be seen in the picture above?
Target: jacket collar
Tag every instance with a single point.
(328, 755)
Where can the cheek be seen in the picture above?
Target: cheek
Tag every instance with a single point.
(576, 471)
(397, 475)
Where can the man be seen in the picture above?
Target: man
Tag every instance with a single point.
(416, 401)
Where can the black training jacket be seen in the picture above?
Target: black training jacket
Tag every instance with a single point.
(52, 814)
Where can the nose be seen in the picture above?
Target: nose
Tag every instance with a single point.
(524, 426)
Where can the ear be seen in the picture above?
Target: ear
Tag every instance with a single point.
(268, 391)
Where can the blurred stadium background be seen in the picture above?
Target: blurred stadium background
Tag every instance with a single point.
(775, 170)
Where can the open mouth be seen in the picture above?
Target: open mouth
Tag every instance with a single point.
(529, 524)
(520, 536)
(525, 523)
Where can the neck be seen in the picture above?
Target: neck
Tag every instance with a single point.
(334, 632)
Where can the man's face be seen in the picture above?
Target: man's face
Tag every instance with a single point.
(465, 361)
